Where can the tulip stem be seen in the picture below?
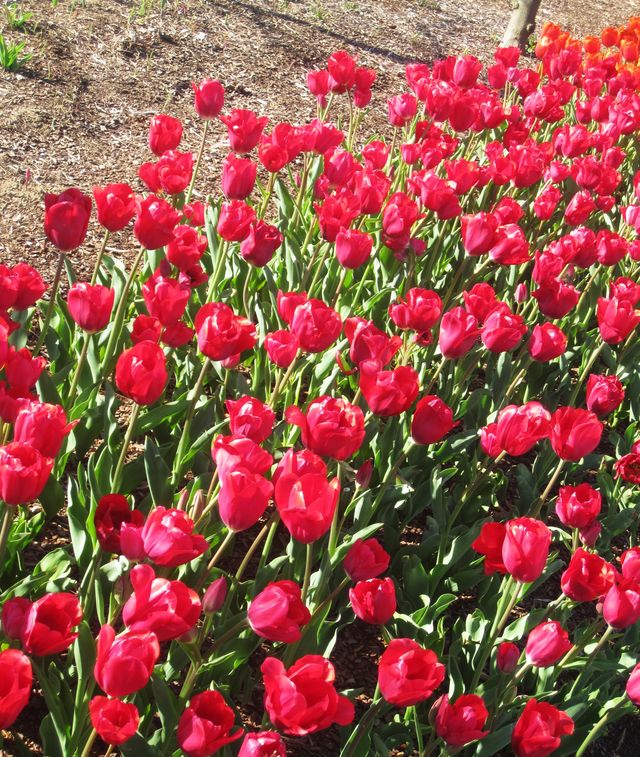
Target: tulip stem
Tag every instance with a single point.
(547, 490)
(117, 475)
(184, 438)
(7, 519)
(319, 267)
(187, 197)
(598, 726)
(96, 268)
(217, 273)
(76, 376)
(303, 249)
(89, 744)
(214, 560)
(594, 356)
(50, 307)
(307, 572)
(284, 379)
(267, 194)
(254, 545)
(363, 726)
(603, 639)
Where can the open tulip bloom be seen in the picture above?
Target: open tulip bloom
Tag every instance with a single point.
(348, 448)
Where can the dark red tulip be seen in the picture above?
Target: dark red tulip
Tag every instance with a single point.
(408, 673)
(539, 729)
(460, 722)
(208, 98)
(17, 678)
(115, 205)
(165, 133)
(115, 721)
(90, 306)
(141, 373)
(331, 427)
(66, 218)
(277, 613)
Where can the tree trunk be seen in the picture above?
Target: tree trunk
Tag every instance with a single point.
(521, 24)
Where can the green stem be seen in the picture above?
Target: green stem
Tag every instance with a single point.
(363, 726)
(52, 303)
(76, 376)
(597, 728)
(184, 438)
(267, 196)
(586, 669)
(215, 279)
(115, 480)
(254, 546)
(187, 197)
(7, 519)
(552, 482)
(89, 744)
(307, 572)
(96, 268)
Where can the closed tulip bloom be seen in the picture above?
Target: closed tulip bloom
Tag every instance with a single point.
(250, 417)
(244, 129)
(632, 688)
(235, 220)
(365, 559)
(502, 330)
(388, 393)
(331, 427)
(316, 325)
(587, 576)
(141, 373)
(282, 347)
(168, 538)
(124, 663)
(165, 133)
(206, 725)
(278, 613)
(478, 232)
(574, 432)
(519, 428)
(238, 177)
(547, 643)
(460, 722)
(166, 298)
(306, 504)
(432, 420)
(66, 218)
(43, 627)
(374, 600)
(578, 506)
(630, 563)
(604, 394)
(22, 370)
(621, 607)
(115, 721)
(215, 596)
(547, 342)
(208, 98)
(310, 684)
(489, 543)
(112, 512)
(617, 318)
(353, 248)
(263, 744)
(166, 608)
(42, 426)
(90, 306)
(230, 453)
(458, 333)
(115, 205)
(408, 673)
(243, 498)
(221, 333)
(15, 689)
(261, 243)
(155, 222)
(507, 657)
(525, 548)
(31, 287)
(23, 473)
(539, 729)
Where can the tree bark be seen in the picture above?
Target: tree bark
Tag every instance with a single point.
(521, 24)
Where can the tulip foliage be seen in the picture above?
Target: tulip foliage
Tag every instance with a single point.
(368, 381)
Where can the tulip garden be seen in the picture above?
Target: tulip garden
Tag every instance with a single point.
(379, 387)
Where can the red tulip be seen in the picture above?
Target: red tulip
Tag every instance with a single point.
(141, 373)
(221, 333)
(208, 98)
(578, 506)
(90, 306)
(365, 559)
(353, 248)
(432, 420)
(546, 644)
(458, 333)
(238, 177)
(628, 468)
(23, 473)
(316, 325)
(205, 725)
(480, 300)
(310, 682)
(235, 220)
(112, 511)
(165, 133)
(277, 613)
(42, 426)
(186, 248)
(525, 548)
(388, 393)
(408, 673)
(261, 243)
(632, 688)
(215, 596)
(617, 318)
(16, 677)
(263, 744)
(166, 298)
(604, 394)
(124, 663)
(489, 543)
(630, 563)
(502, 330)
(146, 328)
(243, 129)
(539, 729)
(418, 311)
(44, 627)
(507, 657)
(587, 577)
(306, 504)
(574, 432)
(367, 342)
(479, 232)
(31, 287)
(462, 721)
(374, 600)
(234, 452)
(547, 342)
(115, 721)
(282, 347)
(401, 109)
(519, 428)
(250, 417)
(243, 498)
(621, 607)
(115, 205)
(155, 222)
(166, 608)
(331, 427)
(66, 218)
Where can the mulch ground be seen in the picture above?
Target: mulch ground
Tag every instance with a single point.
(77, 115)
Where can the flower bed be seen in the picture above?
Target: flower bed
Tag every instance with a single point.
(385, 382)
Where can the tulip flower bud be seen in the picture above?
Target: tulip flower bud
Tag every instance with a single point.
(188, 636)
(214, 596)
(183, 500)
(507, 657)
(364, 473)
